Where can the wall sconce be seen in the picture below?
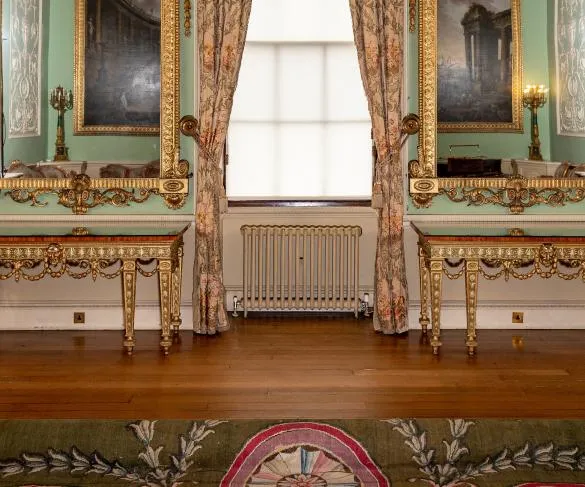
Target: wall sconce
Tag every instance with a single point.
(533, 98)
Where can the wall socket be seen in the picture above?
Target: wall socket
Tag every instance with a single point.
(78, 317)
(517, 317)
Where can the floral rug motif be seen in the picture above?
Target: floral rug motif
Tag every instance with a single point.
(332, 453)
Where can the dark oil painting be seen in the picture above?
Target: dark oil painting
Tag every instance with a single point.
(122, 66)
(474, 63)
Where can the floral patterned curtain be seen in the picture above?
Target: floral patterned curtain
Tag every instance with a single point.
(378, 33)
(221, 30)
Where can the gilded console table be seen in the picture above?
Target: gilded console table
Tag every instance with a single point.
(31, 253)
(492, 251)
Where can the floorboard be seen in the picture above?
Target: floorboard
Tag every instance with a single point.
(286, 367)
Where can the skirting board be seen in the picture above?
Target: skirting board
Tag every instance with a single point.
(102, 317)
(557, 315)
(497, 315)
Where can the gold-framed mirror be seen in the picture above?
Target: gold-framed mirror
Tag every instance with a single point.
(511, 181)
(77, 181)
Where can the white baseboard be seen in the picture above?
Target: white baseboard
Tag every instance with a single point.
(100, 317)
(497, 315)
(108, 316)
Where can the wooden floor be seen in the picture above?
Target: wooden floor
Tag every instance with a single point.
(292, 368)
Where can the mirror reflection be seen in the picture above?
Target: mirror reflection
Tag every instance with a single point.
(38, 52)
(550, 89)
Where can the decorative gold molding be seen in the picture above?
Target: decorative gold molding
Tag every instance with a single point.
(79, 194)
(427, 85)
(187, 18)
(515, 193)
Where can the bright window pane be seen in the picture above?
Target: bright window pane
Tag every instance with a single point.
(300, 20)
(300, 76)
(255, 94)
(301, 160)
(346, 99)
(300, 126)
(253, 172)
(348, 161)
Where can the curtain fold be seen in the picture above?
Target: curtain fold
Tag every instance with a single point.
(378, 33)
(221, 32)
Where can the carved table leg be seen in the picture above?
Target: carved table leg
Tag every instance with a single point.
(471, 274)
(176, 281)
(129, 301)
(424, 290)
(436, 278)
(164, 289)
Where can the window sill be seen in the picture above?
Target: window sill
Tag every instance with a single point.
(299, 203)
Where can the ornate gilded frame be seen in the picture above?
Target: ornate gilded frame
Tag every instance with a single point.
(515, 193)
(81, 193)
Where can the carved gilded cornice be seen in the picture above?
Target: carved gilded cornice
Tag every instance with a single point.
(515, 193)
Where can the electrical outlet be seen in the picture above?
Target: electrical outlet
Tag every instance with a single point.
(517, 317)
(78, 317)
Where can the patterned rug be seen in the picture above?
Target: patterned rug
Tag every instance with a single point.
(340, 453)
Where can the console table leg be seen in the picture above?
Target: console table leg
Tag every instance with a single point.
(129, 301)
(424, 290)
(164, 289)
(176, 281)
(436, 278)
(471, 274)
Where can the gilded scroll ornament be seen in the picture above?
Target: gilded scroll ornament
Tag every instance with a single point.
(515, 193)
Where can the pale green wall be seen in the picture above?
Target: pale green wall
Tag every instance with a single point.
(64, 68)
(24, 148)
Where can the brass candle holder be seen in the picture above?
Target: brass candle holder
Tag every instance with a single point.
(61, 100)
(533, 98)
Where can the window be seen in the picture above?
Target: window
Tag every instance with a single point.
(300, 127)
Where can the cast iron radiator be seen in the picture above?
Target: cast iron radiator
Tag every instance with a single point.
(301, 268)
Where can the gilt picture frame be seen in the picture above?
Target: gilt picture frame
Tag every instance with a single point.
(117, 67)
(479, 66)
